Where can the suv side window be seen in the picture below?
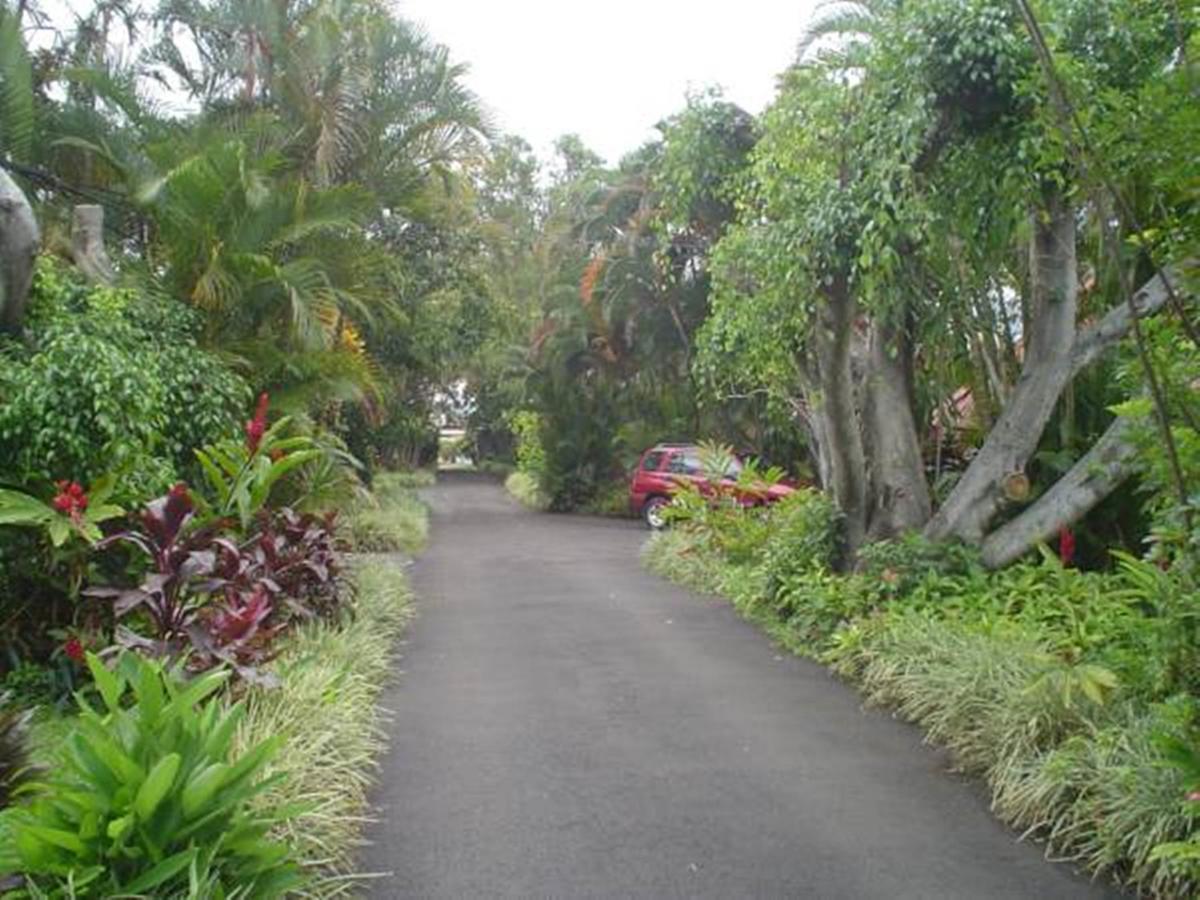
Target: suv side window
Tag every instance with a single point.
(684, 463)
(652, 462)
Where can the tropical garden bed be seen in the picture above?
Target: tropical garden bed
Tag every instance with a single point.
(306, 720)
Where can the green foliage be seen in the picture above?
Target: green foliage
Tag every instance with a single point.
(240, 478)
(149, 796)
(14, 762)
(391, 518)
(109, 381)
(802, 536)
(611, 500)
(704, 150)
(1175, 521)
(1063, 757)
(16, 89)
(525, 488)
(20, 509)
(526, 428)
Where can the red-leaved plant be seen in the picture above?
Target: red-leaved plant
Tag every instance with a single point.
(214, 600)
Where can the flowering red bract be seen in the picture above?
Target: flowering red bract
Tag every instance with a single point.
(257, 427)
(71, 500)
(1066, 546)
(73, 648)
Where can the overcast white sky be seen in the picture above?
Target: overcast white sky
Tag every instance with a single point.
(609, 70)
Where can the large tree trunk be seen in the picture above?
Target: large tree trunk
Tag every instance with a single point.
(19, 241)
(838, 410)
(87, 244)
(986, 485)
(899, 492)
(1090, 480)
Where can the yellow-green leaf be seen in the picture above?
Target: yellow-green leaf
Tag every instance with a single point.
(156, 785)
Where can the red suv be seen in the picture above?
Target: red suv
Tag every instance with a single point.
(663, 468)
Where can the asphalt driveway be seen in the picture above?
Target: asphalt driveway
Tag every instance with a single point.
(568, 725)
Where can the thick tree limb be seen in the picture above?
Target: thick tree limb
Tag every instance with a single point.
(1090, 480)
(1093, 341)
(19, 241)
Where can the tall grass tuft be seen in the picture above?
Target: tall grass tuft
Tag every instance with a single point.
(684, 557)
(326, 709)
(1066, 760)
(393, 519)
(525, 488)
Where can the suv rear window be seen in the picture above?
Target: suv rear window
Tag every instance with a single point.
(652, 461)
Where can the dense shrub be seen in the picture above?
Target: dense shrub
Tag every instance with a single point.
(397, 434)
(109, 380)
(526, 428)
(802, 535)
(211, 599)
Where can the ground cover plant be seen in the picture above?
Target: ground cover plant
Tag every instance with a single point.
(326, 762)
(391, 518)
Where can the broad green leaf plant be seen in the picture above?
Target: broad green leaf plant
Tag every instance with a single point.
(147, 799)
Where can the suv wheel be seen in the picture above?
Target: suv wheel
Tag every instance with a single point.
(653, 513)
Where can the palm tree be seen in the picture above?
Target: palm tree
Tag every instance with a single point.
(840, 26)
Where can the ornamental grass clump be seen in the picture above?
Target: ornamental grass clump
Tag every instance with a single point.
(150, 798)
(1108, 799)
(393, 520)
(334, 675)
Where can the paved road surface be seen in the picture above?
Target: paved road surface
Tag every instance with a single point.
(568, 725)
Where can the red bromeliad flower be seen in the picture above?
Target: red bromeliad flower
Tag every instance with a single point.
(73, 648)
(1066, 546)
(70, 499)
(257, 427)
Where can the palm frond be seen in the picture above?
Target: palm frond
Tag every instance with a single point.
(16, 90)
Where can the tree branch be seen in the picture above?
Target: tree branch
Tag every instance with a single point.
(1152, 296)
(1096, 475)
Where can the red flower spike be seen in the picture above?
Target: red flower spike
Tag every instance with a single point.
(1066, 546)
(257, 427)
(73, 648)
(70, 499)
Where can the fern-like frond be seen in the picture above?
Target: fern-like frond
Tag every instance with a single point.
(16, 90)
